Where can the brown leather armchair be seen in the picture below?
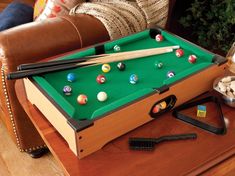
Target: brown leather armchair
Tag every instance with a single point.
(30, 43)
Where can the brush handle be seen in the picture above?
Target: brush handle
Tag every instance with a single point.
(176, 137)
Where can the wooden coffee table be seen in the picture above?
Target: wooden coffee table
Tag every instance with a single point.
(209, 154)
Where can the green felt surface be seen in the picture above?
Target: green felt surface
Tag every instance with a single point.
(117, 86)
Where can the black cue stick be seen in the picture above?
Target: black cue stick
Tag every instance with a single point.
(34, 72)
(55, 63)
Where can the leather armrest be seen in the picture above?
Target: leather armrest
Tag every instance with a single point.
(30, 43)
(37, 40)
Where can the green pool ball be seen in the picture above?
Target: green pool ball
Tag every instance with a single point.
(158, 64)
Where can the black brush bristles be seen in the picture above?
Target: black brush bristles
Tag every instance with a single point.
(141, 143)
(149, 143)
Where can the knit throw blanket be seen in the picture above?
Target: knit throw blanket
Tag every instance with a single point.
(124, 17)
(15, 14)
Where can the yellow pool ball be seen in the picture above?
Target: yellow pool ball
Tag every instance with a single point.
(106, 68)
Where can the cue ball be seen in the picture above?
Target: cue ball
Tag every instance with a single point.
(192, 59)
(82, 99)
(106, 68)
(67, 90)
(170, 74)
(117, 48)
(102, 96)
(159, 38)
(100, 79)
(133, 79)
(121, 66)
(71, 77)
(179, 52)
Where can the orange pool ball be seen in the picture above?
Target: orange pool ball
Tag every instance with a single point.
(82, 99)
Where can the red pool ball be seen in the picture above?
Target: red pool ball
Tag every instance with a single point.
(192, 59)
(82, 99)
(100, 79)
(159, 38)
(179, 52)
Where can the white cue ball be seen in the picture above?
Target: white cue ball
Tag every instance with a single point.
(102, 96)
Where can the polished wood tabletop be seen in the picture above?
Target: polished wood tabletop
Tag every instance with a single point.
(209, 154)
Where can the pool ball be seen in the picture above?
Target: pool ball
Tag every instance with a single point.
(102, 96)
(71, 77)
(179, 52)
(117, 48)
(67, 90)
(82, 99)
(192, 59)
(100, 79)
(159, 38)
(133, 79)
(158, 64)
(170, 74)
(121, 66)
(106, 68)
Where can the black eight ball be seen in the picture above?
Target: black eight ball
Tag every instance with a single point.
(121, 66)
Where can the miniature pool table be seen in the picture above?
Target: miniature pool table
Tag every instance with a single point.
(87, 128)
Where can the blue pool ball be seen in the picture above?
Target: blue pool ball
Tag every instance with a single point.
(71, 77)
(67, 90)
(170, 74)
(133, 79)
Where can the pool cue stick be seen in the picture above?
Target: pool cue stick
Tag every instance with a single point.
(90, 62)
(77, 60)
(55, 62)
(123, 57)
(35, 72)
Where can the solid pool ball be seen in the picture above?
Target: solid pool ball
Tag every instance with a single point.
(100, 79)
(102, 96)
(170, 74)
(133, 79)
(121, 66)
(82, 99)
(71, 77)
(117, 48)
(158, 64)
(179, 52)
(159, 38)
(67, 90)
(192, 59)
(106, 68)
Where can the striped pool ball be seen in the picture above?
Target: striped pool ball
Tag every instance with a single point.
(158, 64)
(71, 77)
(159, 38)
(133, 79)
(106, 68)
(82, 99)
(117, 48)
(67, 90)
(170, 74)
(192, 59)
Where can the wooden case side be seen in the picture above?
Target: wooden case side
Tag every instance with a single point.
(53, 115)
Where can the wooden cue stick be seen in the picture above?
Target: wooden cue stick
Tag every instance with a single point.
(78, 60)
(96, 61)
(127, 56)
